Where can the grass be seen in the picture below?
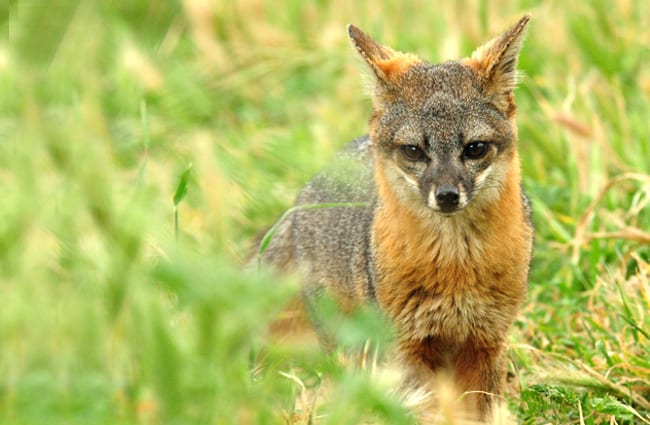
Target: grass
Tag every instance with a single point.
(123, 299)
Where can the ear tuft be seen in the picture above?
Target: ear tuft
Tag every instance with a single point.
(495, 63)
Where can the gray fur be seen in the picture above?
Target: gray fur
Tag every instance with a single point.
(311, 235)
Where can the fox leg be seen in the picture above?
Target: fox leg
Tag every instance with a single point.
(480, 373)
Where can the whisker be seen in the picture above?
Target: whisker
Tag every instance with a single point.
(484, 186)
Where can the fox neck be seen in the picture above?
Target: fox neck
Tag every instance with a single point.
(429, 241)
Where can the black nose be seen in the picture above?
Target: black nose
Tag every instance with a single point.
(447, 197)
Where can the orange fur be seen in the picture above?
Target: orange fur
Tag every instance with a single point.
(396, 66)
(453, 285)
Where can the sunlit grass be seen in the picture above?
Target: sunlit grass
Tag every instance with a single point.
(114, 312)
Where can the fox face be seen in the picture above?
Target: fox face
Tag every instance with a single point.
(444, 135)
(450, 148)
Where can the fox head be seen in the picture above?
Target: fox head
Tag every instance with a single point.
(444, 135)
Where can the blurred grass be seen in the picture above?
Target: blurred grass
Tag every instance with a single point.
(106, 318)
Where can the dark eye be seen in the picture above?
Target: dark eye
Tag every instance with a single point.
(413, 153)
(475, 150)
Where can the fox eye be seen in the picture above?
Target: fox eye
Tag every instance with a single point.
(475, 150)
(413, 153)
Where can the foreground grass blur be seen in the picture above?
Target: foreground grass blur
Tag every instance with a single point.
(108, 317)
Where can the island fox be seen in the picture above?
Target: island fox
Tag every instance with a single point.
(432, 224)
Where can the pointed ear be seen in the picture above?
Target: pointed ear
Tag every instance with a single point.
(495, 64)
(387, 64)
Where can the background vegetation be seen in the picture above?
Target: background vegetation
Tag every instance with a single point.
(111, 313)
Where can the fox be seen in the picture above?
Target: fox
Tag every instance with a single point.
(425, 216)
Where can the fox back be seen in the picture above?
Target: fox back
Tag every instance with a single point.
(425, 215)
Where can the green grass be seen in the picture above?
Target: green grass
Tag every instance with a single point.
(122, 295)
